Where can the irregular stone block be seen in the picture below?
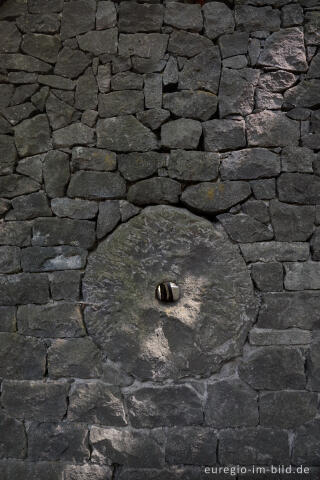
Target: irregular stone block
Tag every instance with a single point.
(266, 100)
(315, 244)
(17, 61)
(65, 285)
(56, 173)
(96, 403)
(285, 50)
(291, 222)
(55, 81)
(271, 129)
(77, 17)
(58, 441)
(236, 92)
(35, 400)
(24, 288)
(302, 276)
(123, 102)
(15, 233)
(218, 19)
(44, 47)
(292, 15)
(84, 158)
(174, 473)
(268, 277)
(182, 133)
(275, 251)
(127, 80)
(202, 72)
(106, 16)
(264, 189)
(99, 42)
(75, 134)
(184, 17)
(29, 206)
(231, 403)
(193, 166)
(63, 231)
(252, 19)
(297, 159)
(86, 97)
(108, 218)
(306, 444)
(155, 191)
(249, 164)
(313, 364)
(171, 73)
(75, 357)
(50, 321)
(31, 167)
(191, 445)
(131, 448)
(71, 63)
(60, 113)
(285, 310)
(146, 45)
(314, 70)
(52, 471)
(258, 446)
(95, 185)
(9, 259)
(45, 6)
(39, 23)
(74, 208)
(243, 228)
(10, 37)
(21, 358)
(287, 409)
(223, 135)
(135, 166)
(165, 406)
(8, 154)
(233, 44)
(257, 209)
(187, 44)
(14, 185)
(14, 441)
(32, 136)
(277, 81)
(7, 319)
(128, 210)
(48, 259)
(215, 197)
(311, 27)
(135, 18)
(199, 105)
(305, 94)
(274, 368)
(152, 90)
(125, 134)
(291, 336)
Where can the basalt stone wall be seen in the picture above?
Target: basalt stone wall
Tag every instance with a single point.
(209, 113)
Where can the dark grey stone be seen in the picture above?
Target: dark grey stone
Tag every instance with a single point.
(99, 42)
(108, 218)
(277, 81)
(71, 63)
(291, 222)
(245, 229)
(274, 368)
(9, 259)
(291, 336)
(250, 446)
(231, 403)
(182, 133)
(127, 80)
(286, 310)
(314, 70)
(218, 19)
(65, 285)
(292, 15)
(311, 27)
(8, 154)
(32, 167)
(123, 102)
(32, 136)
(23, 93)
(252, 19)
(58, 441)
(77, 17)
(75, 134)
(223, 135)
(184, 17)
(171, 73)
(313, 364)
(96, 185)
(17, 61)
(275, 251)
(153, 90)
(233, 44)
(271, 129)
(153, 118)
(164, 406)
(187, 44)
(135, 166)
(299, 188)
(202, 72)
(106, 16)
(35, 401)
(56, 173)
(39, 23)
(55, 81)
(14, 442)
(133, 448)
(10, 37)
(193, 166)
(63, 231)
(21, 358)
(146, 45)
(264, 189)
(125, 134)
(249, 164)
(15, 233)
(48, 259)
(155, 191)
(287, 409)
(285, 50)
(306, 444)
(45, 6)
(315, 245)
(44, 47)
(199, 105)
(191, 445)
(128, 210)
(84, 158)
(74, 208)
(24, 288)
(257, 209)
(30, 206)
(148, 65)
(17, 113)
(7, 319)
(134, 17)
(305, 94)
(297, 159)
(87, 91)
(268, 277)
(74, 357)
(302, 276)
(60, 114)
(215, 197)
(13, 8)
(97, 403)
(182, 241)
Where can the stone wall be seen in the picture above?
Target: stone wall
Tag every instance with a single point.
(107, 108)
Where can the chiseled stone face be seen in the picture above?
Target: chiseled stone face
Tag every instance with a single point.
(153, 340)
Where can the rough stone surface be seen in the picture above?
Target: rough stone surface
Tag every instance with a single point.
(275, 251)
(236, 92)
(243, 228)
(181, 133)
(48, 259)
(291, 222)
(201, 72)
(268, 277)
(271, 129)
(218, 19)
(95, 185)
(250, 163)
(24, 288)
(21, 357)
(63, 231)
(306, 445)
(33, 136)
(223, 135)
(199, 105)
(193, 166)
(160, 329)
(155, 191)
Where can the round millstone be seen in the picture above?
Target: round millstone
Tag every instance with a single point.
(156, 340)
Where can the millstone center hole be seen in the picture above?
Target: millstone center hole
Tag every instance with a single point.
(167, 292)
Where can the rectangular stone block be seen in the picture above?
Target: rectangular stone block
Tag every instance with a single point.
(8, 319)
(191, 445)
(84, 158)
(23, 288)
(9, 259)
(63, 231)
(275, 251)
(48, 259)
(15, 233)
(302, 276)
(65, 285)
(292, 336)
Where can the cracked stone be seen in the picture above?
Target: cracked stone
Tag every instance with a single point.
(15, 185)
(10, 38)
(74, 134)
(39, 23)
(305, 94)
(44, 47)
(17, 61)
(8, 154)
(108, 218)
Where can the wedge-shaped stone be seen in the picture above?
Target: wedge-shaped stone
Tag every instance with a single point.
(77, 17)
(17, 61)
(75, 134)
